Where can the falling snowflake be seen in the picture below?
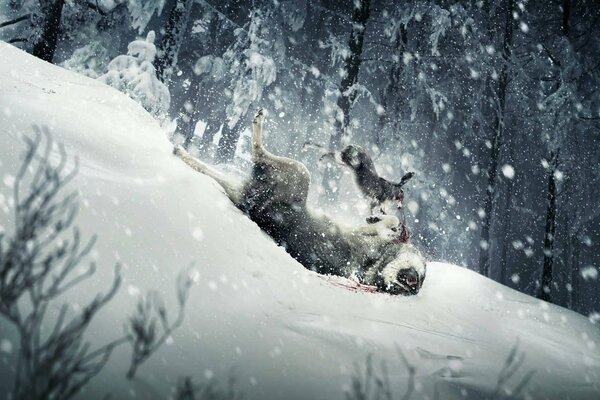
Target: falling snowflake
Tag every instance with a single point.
(198, 234)
(9, 180)
(589, 273)
(133, 290)
(6, 346)
(508, 171)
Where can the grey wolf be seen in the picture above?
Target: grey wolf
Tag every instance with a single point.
(275, 198)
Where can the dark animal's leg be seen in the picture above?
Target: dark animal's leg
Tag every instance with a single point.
(407, 177)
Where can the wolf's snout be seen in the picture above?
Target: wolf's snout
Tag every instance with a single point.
(409, 277)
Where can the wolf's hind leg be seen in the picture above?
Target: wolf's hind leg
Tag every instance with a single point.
(288, 179)
(259, 153)
(232, 189)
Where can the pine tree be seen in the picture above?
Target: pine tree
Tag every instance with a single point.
(500, 95)
(134, 75)
(45, 46)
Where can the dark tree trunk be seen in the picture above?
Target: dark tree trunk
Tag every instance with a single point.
(45, 47)
(213, 124)
(546, 292)
(228, 142)
(505, 237)
(573, 299)
(201, 100)
(496, 140)
(565, 17)
(360, 16)
(188, 116)
(299, 136)
(170, 43)
(391, 90)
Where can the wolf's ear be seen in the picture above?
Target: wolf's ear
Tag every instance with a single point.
(407, 177)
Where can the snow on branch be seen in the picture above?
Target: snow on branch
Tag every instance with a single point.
(357, 90)
(135, 75)
(438, 101)
(339, 49)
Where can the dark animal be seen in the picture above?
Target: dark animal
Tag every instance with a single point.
(378, 190)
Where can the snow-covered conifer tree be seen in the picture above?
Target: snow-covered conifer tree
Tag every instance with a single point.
(134, 74)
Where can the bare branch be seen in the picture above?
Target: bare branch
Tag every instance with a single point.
(149, 328)
(37, 265)
(15, 21)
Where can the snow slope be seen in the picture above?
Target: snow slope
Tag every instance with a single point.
(287, 333)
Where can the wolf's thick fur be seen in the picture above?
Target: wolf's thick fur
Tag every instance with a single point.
(275, 197)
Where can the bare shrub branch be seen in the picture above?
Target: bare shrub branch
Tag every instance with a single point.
(370, 384)
(375, 385)
(38, 264)
(148, 328)
(212, 390)
(514, 362)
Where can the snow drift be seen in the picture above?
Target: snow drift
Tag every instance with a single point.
(285, 331)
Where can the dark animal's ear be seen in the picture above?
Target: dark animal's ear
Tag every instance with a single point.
(407, 177)
(346, 155)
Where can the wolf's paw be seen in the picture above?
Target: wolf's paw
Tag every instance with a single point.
(373, 219)
(178, 150)
(259, 117)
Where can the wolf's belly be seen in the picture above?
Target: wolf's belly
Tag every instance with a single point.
(315, 242)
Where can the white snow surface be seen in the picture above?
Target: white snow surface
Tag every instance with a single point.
(286, 332)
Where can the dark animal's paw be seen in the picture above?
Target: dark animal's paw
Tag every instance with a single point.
(407, 177)
(327, 157)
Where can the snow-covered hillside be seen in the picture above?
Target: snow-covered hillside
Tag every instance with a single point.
(286, 332)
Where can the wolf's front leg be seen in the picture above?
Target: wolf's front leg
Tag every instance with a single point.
(196, 164)
(233, 189)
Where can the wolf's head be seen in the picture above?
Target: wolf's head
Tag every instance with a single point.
(404, 274)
